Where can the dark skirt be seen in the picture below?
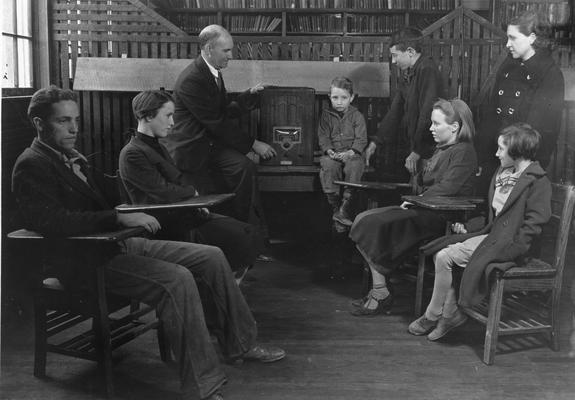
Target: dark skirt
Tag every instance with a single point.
(385, 235)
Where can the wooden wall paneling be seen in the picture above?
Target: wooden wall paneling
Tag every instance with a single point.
(172, 50)
(305, 51)
(64, 69)
(73, 56)
(144, 49)
(134, 51)
(108, 134)
(125, 115)
(285, 51)
(117, 127)
(85, 143)
(154, 50)
(97, 131)
(356, 52)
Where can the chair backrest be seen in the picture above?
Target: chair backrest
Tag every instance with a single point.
(562, 205)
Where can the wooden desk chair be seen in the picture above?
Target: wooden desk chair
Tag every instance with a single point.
(60, 311)
(373, 191)
(515, 305)
(460, 207)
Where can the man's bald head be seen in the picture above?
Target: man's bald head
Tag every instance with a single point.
(211, 33)
(217, 46)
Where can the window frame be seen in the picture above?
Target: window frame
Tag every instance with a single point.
(40, 50)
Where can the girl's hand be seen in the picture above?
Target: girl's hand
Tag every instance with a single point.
(331, 154)
(458, 227)
(406, 205)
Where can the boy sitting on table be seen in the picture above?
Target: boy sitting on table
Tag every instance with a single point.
(342, 138)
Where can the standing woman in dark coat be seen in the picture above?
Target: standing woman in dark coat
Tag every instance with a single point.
(528, 88)
(384, 235)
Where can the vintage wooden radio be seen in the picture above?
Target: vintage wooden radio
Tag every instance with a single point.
(287, 122)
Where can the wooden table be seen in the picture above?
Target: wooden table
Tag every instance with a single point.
(372, 188)
(204, 201)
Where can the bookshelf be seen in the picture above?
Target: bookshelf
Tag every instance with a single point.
(304, 17)
(560, 13)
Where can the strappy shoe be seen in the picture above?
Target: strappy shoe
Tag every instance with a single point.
(383, 307)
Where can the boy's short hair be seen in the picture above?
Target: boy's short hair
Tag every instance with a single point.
(522, 141)
(41, 102)
(406, 37)
(344, 83)
(148, 102)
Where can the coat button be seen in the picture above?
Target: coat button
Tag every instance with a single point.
(510, 111)
(498, 110)
(528, 77)
(500, 92)
(517, 93)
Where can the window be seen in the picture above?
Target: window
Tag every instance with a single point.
(17, 42)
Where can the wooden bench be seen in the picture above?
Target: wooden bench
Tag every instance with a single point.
(371, 80)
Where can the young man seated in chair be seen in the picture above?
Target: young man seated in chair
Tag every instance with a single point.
(58, 197)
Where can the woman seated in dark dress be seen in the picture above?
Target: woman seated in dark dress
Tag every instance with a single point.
(384, 235)
(150, 176)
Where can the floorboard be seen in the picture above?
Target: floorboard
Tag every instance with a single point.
(331, 354)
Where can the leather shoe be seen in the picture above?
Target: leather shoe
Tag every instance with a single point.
(383, 307)
(215, 396)
(265, 354)
(421, 326)
(444, 325)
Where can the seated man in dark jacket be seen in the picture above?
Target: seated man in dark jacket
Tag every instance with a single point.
(58, 197)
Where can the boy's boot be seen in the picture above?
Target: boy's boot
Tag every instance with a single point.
(344, 214)
(334, 201)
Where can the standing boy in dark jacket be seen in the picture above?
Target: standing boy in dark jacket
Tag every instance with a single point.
(419, 87)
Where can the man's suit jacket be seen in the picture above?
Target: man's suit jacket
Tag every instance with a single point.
(56, 203)
(204, 115)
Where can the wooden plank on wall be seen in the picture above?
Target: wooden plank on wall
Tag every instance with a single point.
(134, 75)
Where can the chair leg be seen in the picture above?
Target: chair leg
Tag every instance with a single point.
(493, 317)
(101, 326)
(40, 339)
(163, 343)
(419, 284)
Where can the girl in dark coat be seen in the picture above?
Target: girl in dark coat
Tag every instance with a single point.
(384, 235)
(529, 87)
(520, 199)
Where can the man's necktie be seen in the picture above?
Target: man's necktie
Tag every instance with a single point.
(74, 164)
(219, 81)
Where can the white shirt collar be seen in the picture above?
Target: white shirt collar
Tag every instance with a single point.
(212, 69)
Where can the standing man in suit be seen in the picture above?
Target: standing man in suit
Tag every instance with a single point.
(206, 138)
(58, 197)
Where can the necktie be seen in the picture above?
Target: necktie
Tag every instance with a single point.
(74, 164)
(219, 81)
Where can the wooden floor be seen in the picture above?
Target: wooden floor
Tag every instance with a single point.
(331, 354)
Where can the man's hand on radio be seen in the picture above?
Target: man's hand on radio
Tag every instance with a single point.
(263, 150)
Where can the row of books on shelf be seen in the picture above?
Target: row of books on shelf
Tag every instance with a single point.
(316, 23)
(193, 23)
(372, 4)
(374, 24)
(558, 13)
(252, 23)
